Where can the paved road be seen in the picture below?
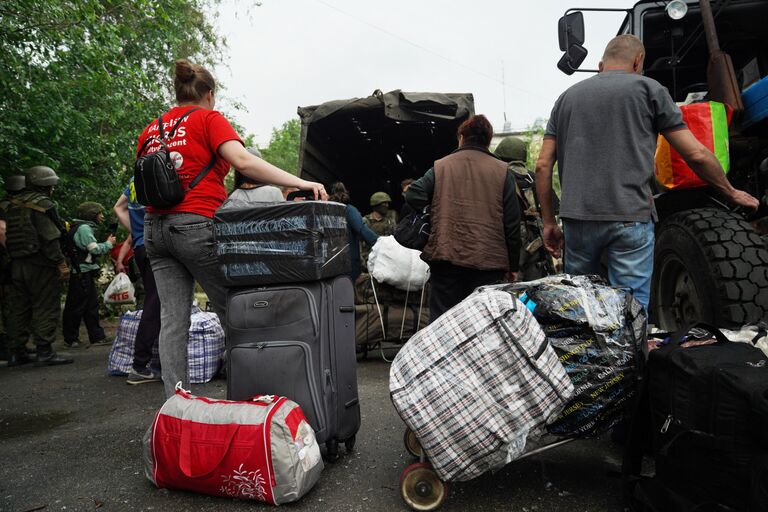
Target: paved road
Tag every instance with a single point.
(70, 439)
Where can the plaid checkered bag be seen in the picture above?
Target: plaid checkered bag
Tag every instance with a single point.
(121, 355)
(205, 349)
(476, 383)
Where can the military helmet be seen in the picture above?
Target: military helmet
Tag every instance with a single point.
(512, 149)
(41, 176)
(380, 197)
(15, 183)
(89, 210)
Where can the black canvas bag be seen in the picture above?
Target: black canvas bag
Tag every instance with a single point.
(413, 230)
(154, 175)
(703, 412)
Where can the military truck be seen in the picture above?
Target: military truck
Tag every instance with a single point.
(711, 262)
(371, 144)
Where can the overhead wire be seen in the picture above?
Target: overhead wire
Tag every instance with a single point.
(427, 50)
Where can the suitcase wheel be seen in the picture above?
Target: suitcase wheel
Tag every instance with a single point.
(349, 444)
(412, 443)
(420, 487)
(332, 450)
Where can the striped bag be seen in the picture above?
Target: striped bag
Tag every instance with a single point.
(708, 121)
(205, 350)
(476, 383)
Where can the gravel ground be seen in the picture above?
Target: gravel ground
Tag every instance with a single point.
(70, 439)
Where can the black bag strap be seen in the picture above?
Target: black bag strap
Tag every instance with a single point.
(202, 174)
(175, 126)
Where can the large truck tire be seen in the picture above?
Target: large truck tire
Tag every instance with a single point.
(710, 266)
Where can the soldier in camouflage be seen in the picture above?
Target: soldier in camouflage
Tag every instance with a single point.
(14, 185)
(37, 271)
(534, 261)
(381, 220)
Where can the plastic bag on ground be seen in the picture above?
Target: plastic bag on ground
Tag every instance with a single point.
(391, 263)
(120, 291)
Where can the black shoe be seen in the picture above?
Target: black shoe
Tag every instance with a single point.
(19, 359)
(52, 359)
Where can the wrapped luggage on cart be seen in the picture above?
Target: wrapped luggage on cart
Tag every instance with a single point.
(511, 371)
(475, 384)
(391, 299)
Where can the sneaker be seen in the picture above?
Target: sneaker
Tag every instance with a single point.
(140, 377)
(102, 341)
(73, 344)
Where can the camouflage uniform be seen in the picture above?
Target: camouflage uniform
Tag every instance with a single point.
(32, 241)
(14, 185)
(533, 256)
(383, 226)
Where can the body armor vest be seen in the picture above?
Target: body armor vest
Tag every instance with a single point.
(21, 236)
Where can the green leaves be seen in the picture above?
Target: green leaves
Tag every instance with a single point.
(283, 149)
(81, 79)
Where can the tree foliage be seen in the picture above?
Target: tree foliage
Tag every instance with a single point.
(81, 79)
(283, 149)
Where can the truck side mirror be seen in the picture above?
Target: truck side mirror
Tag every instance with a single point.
(572, 59)
(570, 30)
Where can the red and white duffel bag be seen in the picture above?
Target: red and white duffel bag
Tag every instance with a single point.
(263, 449)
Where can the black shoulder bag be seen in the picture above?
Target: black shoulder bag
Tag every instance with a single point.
(154, 175)
(413, 230)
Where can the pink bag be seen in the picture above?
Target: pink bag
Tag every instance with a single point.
(262, 449)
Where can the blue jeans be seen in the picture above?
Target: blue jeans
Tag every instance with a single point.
(628, 245)
(181, 250)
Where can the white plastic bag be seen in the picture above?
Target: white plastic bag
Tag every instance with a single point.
(391, 263)
(120, 291)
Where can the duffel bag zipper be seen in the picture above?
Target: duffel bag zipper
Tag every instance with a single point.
(667, 422)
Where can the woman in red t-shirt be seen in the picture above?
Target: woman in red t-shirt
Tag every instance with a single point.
(179, 240)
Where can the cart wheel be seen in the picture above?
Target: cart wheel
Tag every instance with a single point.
(412, 443)
(349, 444)
(420, 487)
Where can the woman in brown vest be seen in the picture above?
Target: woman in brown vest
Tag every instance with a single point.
(475, 238)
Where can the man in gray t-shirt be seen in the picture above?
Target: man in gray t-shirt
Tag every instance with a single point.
(603, 133)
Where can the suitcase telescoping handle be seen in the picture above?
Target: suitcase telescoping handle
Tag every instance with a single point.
(346, 309)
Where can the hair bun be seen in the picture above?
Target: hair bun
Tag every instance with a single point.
(185, 72)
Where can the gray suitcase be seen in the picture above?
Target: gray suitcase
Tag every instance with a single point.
(298, 340)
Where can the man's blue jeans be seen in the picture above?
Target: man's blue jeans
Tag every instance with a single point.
(628, 245)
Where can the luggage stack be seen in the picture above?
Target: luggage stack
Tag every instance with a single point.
(290, 310)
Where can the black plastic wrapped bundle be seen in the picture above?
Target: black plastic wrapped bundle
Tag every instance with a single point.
(272, 243)
(597, 332)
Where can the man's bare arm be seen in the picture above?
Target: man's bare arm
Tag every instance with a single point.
(544, 168)
(553, 237)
